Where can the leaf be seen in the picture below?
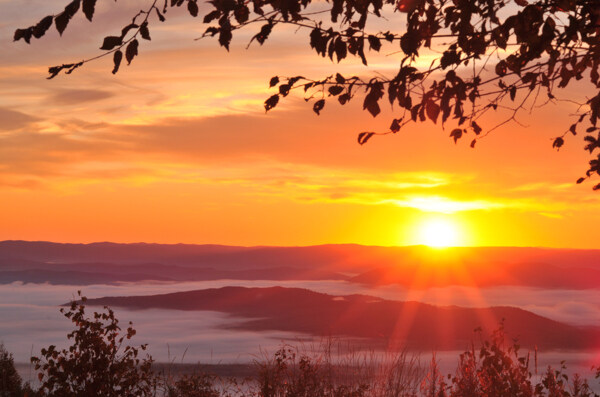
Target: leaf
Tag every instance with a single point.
(318, 106)
(522, 3)
(335, 90)
(406, 5)
(284, 89)
(117, 58)
(580, 180)
(127, 28)
(342, 99)
(597, 187)
(241, 13)
(211, 16)
(192, 7)
(225, 36)
(42, 26)
(161, 17)
(456, 134)
(501, 68)
(450, 57)
(24, 34)
(271, 102)
(62, 20)
(409, 43)
(372, 98)
(111, 42)
(339, 78)
(144, 32)
(363, 137)
(573, 129)
(395, 127)
(513, 92)
(473, 142)
(88, 7)
(274, 81)
(264, 33)
(558, 142)
(433, 110)
(476, 128)
(374, 43)
(131, 50)
(340, 48)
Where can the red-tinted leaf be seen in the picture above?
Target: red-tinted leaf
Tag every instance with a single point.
(274, 81)
(501, 68)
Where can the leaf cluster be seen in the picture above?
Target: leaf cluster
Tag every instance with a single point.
(490, 55)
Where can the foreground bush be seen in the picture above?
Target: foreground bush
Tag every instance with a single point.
(10, 381)
(98, 363)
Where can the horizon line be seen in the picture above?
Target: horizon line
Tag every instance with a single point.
(296, 246)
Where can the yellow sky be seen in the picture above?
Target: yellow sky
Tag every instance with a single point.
(177, 148)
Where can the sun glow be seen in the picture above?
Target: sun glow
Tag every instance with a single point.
(439, 233)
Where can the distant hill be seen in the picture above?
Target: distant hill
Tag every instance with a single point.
(400, 324)
(415, 267)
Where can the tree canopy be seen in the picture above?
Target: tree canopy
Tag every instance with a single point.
(489, 55)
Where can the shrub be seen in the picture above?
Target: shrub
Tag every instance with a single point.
(195, 385)
(97, 363)
(10, 381)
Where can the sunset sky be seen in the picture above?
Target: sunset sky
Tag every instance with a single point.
(177, 148)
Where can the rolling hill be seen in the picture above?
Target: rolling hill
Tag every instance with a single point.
(403, 324)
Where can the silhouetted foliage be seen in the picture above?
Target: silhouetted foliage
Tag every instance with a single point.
(98, 363)
(92, 366)
(10, 381)
(194, 385)
(488, 55)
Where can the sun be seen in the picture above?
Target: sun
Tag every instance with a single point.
(439, 233)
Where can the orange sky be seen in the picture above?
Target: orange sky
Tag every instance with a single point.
(177, 148)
